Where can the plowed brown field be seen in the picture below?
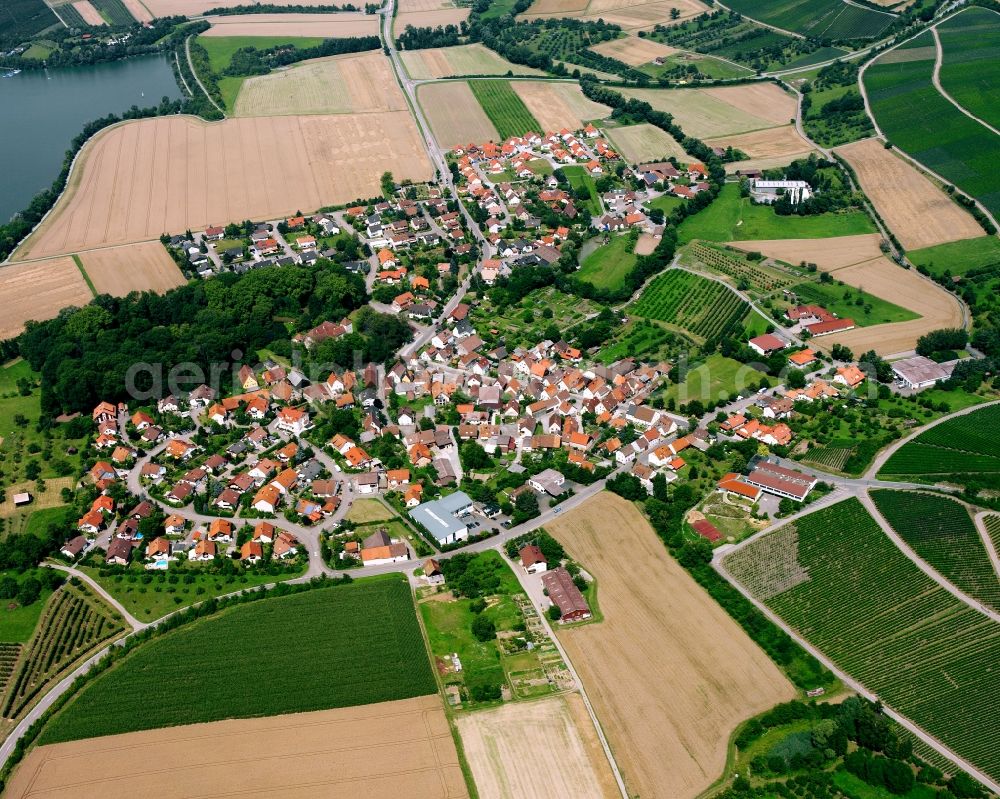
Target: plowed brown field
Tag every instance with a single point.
(39, 290)
(140, 179)
(135, 267)
(90, 14)
(917, 211)
(138, 10)
(536, 750)
(383, 751)
(669, 673)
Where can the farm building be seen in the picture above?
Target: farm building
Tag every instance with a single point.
(767, 191)
(532, 559)
(920, 372)
(831, 326)
(565, 595)
(766, 344)
(443, 517)
(780, 481)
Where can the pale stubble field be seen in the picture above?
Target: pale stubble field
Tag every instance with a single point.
(670, 674)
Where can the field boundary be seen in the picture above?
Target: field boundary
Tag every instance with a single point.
(719, 566)
(86, 277)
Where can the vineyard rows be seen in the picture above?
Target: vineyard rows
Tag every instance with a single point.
(9, 653)
(887, 624)
(739, 268)
(71, 625)
(940, 531)
(831, 457)
(705, 308)
(963, 445)
(993, 530)
(115, 11)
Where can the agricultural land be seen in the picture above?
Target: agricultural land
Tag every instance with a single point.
(536, 750)
(940, 530)
(39, 290)
(917, 118)
(915, 210)
(970, 72)
(463, 59)
(382, 750)
(454, 114)
(139, 179)
(702, 308)
(644, 142)
(694, 683)
(324, 26)
(630, 15)
(135, 267)
(924, 652)
(339, 85)
(193, 8)
(820, 19)
(370, 649)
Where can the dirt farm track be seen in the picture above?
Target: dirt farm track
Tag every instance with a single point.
(138, 180)
(670, 674)
(383, 751)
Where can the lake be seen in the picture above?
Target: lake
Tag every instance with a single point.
(42, 111)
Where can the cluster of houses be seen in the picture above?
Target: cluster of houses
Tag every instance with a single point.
(818, 321)
(680, 180)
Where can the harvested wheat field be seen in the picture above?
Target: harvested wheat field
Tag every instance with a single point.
(704, 115)
(135, 267)
(38, 291)
(764, 100)
(462, 59)
(906, 287)
(140, 179)
(536, 750)
(429, 19)
(558, 105)
(190, 8)
(455, 115)
(645, 142)
(138, 10)
(784, 142)
(385, 751)
(341, 84)
(342, 25)
(422, 5)
(90, 14)
(634, 51)
(630, 15)
(827, 254)
(858, 262)
(916, 210)
(669, 673)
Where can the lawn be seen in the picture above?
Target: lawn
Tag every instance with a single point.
(506, 110)
(734, 218)
(607, 266)
(363, 511)
(324, 648)
(665, 203)
(716, 378)
(844, 302)
(17, 623)
(707, 65)
(221, 48)
(151, 595)
(920, 121)
(958, 257)
(579, 178)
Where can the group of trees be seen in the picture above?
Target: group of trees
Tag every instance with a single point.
(255, 61)
(422, 38)
(84, 354)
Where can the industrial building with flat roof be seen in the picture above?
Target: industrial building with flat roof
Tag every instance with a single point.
(443, 518)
